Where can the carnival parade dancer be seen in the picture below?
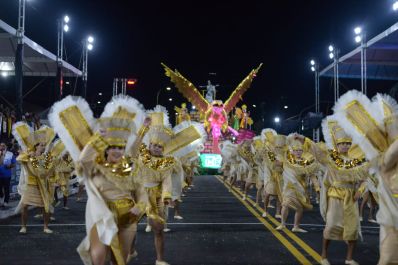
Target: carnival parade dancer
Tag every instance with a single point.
(257, 149)
(341, 187)
(107, 160)
(275, 147)
(249, 170)
(374, 127)
(62, 170)
(156, 171)
(37, 167)
(298, 167)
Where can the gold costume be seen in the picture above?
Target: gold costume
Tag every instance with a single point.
(36, 170)
(296, 173)
(373, 124)
(107, 161)
(343, 176)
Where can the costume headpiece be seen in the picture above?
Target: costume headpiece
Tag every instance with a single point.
(44, 135)
(57, 148)
(364, 121)
(21, 132)
(333, 133)
(159, 132)
(279, 140)
(187, 137)
(294, 144)
(127, 115)
(268, 134)
(73, 121)
(125, 107)
(117, 131)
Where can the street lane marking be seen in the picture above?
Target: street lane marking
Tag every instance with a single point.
(300, 257)
(295, 238)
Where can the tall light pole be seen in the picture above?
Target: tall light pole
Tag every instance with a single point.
(360, 37)
(19, 54)
(158, 93)
(334, 55)
(315, 69)
(87, 46)
(62, 27)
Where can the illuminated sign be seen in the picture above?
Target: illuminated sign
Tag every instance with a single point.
(210, 161)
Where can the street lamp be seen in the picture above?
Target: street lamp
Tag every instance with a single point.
(395, 6)
(62, 27)
(360, 37)
(315, 69)
(158, 93)
(277, 119)
(87, 46)
(334, 55)
(254, 105)
(170, 99)
(286, 107)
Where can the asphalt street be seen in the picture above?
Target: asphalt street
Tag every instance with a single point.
(218, 228)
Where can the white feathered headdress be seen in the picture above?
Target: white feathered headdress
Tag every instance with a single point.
(73, 121)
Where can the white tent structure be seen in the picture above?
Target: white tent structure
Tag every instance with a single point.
(37, 60)
(381, 59)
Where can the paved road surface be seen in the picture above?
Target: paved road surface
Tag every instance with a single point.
(218, 228)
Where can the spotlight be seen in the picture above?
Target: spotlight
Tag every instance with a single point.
(358, 30)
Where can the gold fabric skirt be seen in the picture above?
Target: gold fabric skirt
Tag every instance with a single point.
(337, 228)
(121, 211)
(32, 196)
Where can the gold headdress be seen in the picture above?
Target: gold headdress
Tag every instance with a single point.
(21, 132)
(57, 148)
(257, 144)
(333, 133)
(125, 107)
(187, 136)
(387, 108)
(357, 115)
(159, 132)
(73, 121)
(294, 144)
(244, 107)
(43, 135)
(268, 134)
(279, 140)
(117, 131)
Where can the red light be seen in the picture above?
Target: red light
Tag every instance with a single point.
(131, 82)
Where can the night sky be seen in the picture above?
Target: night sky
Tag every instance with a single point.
(202, 37)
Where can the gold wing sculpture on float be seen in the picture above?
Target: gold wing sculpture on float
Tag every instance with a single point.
(240, 90)
(187, 89)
